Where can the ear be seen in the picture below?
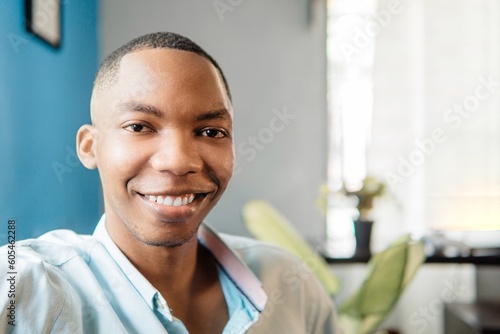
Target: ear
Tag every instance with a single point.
(85, 142)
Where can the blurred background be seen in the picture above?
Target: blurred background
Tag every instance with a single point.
(273, 54)
(326, 94)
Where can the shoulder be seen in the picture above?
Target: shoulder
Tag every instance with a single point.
(35, 259)
(260, 256)
(41, 259)
(35, 283)
(55, 247)
(297, 302)
(274, 267)
(265, 259)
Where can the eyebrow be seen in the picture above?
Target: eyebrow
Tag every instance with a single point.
(214, 114)
(154, 111)
(141, 107)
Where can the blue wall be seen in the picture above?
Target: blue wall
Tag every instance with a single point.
(44, 98)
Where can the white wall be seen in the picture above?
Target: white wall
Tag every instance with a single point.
(274, 59)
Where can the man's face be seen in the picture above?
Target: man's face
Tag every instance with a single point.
(163, 146)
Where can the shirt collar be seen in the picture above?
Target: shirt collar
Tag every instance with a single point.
(236, 270)
(148, 292)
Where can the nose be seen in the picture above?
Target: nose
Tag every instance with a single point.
(176, 153)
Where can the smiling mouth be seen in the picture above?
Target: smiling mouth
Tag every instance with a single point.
(174, 201)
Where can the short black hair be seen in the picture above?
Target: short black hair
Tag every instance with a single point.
(108, 70)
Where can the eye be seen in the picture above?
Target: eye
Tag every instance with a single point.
(213, 133)
(138, 128)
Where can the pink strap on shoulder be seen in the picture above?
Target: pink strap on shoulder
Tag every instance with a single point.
(236, 270)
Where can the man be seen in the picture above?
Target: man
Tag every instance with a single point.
(162, 140)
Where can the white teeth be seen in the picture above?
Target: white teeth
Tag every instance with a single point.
(172, 201)
(177, 202)
(168, 201)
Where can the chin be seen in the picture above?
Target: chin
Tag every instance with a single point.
(169, 238)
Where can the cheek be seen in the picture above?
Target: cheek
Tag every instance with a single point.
(118, 160)
(221, 165)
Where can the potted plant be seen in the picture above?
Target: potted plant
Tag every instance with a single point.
(371, 189)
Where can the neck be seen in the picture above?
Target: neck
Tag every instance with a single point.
(165, 266)
(186, 276)
(189, 268)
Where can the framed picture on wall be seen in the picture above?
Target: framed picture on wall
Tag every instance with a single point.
(43, 19)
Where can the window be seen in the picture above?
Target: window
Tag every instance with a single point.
(414, 99)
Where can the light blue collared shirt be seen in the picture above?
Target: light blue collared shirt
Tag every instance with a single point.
(70, 283)
(241, 312)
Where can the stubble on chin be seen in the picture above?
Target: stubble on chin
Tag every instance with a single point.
(182, 240)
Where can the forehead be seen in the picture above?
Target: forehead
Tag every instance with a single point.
(169, 79)
(168, 67)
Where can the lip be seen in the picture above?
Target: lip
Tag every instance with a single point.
(174, 214)
(172, 193)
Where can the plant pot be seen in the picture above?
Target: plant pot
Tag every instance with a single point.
(363, 235)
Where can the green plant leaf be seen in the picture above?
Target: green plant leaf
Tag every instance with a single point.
(389, 272)
(267, 224)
